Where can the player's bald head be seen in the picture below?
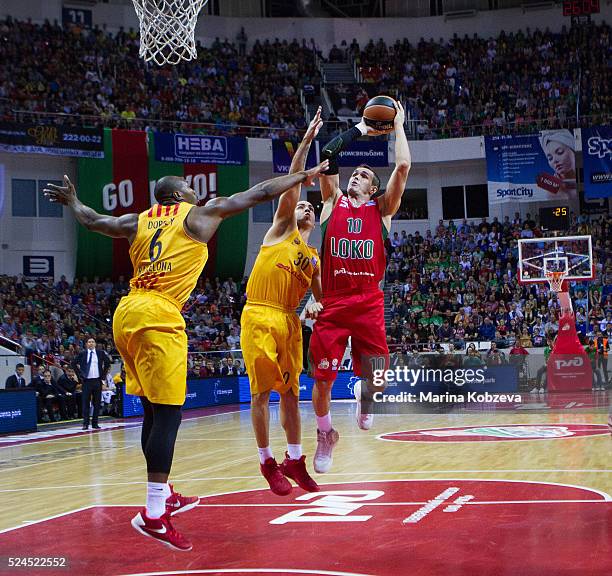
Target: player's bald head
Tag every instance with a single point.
(169, 189)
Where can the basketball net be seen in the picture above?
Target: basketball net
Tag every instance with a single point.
(167, 29)
(555, 280)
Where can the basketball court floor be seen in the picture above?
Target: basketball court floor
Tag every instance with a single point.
(472, 494)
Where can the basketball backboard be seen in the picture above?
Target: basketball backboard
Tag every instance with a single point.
(572, 255)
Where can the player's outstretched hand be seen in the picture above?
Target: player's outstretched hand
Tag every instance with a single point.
(314, 173)
(400, 115)
(65, 194)
(313, 310)
(314, 127)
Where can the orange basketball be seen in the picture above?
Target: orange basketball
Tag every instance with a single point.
(379, 113)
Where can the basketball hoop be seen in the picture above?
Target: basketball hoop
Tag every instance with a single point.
(167, 29)
(555, 279)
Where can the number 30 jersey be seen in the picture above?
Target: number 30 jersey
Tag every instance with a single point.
(165, 259)
(282, 273)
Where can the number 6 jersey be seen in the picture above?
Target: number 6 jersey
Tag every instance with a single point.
(165, 259)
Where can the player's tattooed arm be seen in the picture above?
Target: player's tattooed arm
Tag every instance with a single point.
(124, 226)
(391, 200)
(284, 218)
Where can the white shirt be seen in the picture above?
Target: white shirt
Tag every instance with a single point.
(94, 371)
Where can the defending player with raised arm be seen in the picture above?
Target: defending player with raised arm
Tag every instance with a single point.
(354, 227)
(168, 251)
(271, 336)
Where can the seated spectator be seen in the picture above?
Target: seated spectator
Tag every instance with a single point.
(69, 382)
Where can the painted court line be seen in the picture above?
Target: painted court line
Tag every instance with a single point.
(34, 438)
(61, 459)
(606, 498)
(256, 477)
(285, 571)
(30, 522)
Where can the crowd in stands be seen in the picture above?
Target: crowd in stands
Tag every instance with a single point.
(95, 72)
(459, 284)
(52, 321)
(517, 82)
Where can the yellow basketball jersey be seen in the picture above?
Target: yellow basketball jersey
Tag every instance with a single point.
(282, 273)
(164, 258)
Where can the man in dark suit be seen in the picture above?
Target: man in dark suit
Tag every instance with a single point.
(44, 393)
(228, 368)
(69, 383)
(91, 366)
(54, 395)
(16, 380)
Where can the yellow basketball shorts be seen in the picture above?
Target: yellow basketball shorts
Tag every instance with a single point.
(271, 341)
(149, 333)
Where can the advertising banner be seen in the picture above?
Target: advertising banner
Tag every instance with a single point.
(375, 153)
(200, 393)
(17, 411)
(342, 389)
(283, 152)
(124, 182)
(597, 160)
(531, 167)
(199, 148)
(35, 138)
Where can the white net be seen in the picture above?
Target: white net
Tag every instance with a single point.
(167, 29)
(555, 280)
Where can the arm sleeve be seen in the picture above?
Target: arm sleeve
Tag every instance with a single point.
(336, 145)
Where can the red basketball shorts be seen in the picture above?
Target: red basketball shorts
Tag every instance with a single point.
(358, 316)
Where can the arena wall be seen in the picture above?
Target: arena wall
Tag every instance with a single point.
(436, 164)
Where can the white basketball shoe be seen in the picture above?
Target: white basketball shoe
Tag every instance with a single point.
(364, 421)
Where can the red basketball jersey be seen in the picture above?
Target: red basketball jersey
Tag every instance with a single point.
(353, 252)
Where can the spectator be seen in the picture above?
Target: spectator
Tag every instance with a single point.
(63, 397)
(16, 380)
(69, 382)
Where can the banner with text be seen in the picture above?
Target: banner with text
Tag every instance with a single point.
(124, 182)
(531, 167)
(283, 152)
(200, 393)
(375, 153)
(597, 159)
(199, 148)
(35, 138)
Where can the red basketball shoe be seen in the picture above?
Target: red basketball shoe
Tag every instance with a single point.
(177, 503)
(160, 529)
(272, 473)
(296, 470)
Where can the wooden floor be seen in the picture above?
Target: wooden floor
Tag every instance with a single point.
(216, 454)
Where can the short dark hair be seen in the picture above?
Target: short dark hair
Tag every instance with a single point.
(20, 365)
(166, 187)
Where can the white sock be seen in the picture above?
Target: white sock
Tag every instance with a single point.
(294, 451)
(157, 493)
(264, 454)
(324, 422)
